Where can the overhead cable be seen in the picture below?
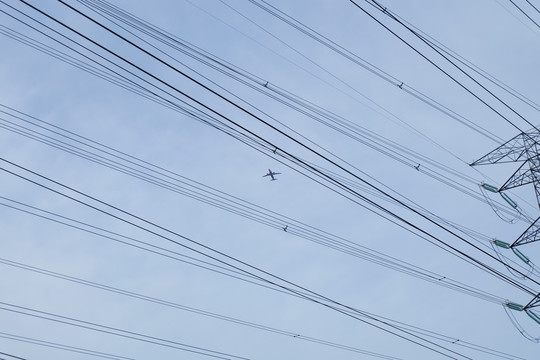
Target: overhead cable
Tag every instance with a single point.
(386, 12)
(55, 345)
(240, 265)
(88, 325)
(251, 133)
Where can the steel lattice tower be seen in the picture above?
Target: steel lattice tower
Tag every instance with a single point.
(524, 148)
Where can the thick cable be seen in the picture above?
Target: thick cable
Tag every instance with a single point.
(88, 325)
(55, 345)
(372, 203)
(386, 12)
(524, 13)
(318, 299)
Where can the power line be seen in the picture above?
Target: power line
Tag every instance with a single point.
(187, 187)
(385, 11)
(371, 68)
(177, 306)
(88, 325)
(184, 186)
(296, 289)
(13, 356)
(434, 176)
(287, 333)
(380, 146)
(524, 13)
(55, 345)
(391, 263)
(484, 74)
(297, 160)
(534, 7)
(483, 265)
(171, 41)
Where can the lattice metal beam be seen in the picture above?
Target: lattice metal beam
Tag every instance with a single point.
(524, 147)
(527, 173)
(531, 142)
(513, 150)
(523, 175)
(533, 303)
(531, 234)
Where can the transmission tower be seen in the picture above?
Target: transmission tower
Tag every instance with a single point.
(523, 148)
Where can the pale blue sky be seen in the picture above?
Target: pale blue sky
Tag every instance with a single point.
(491, 34)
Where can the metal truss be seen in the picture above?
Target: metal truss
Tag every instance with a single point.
(531, 234)
(525, 148)
(514, 150)
(533, 303)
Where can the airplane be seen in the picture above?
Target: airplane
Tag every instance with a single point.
(271, 174)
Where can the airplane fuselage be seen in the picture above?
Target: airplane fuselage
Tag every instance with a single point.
(271, 174)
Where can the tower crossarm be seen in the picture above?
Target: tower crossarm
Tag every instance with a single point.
(533, 303)
(531, 234)
(513, 150)
(522, 176)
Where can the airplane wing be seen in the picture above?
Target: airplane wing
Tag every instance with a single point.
(266, 175)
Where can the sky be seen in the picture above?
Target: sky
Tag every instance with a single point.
(136, 221)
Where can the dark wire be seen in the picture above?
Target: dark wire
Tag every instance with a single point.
(235, 136)
(13, 356)
(510, 90)
(385, 11)
(524, 13)
(370, 67)
(118, 13)
(412, 270)
(380, 147)
(342, 245)
(227, 318)
(191, 309)
(312, 296)
(128, 170)
(423, 331)
(333, 46)
(269, 219)
(534, 7)
(55, 345)
(372, 203)
(422, 171)
(176, 109)
(158, 250)
(220, 125)
(116, 331)
(282, 133)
